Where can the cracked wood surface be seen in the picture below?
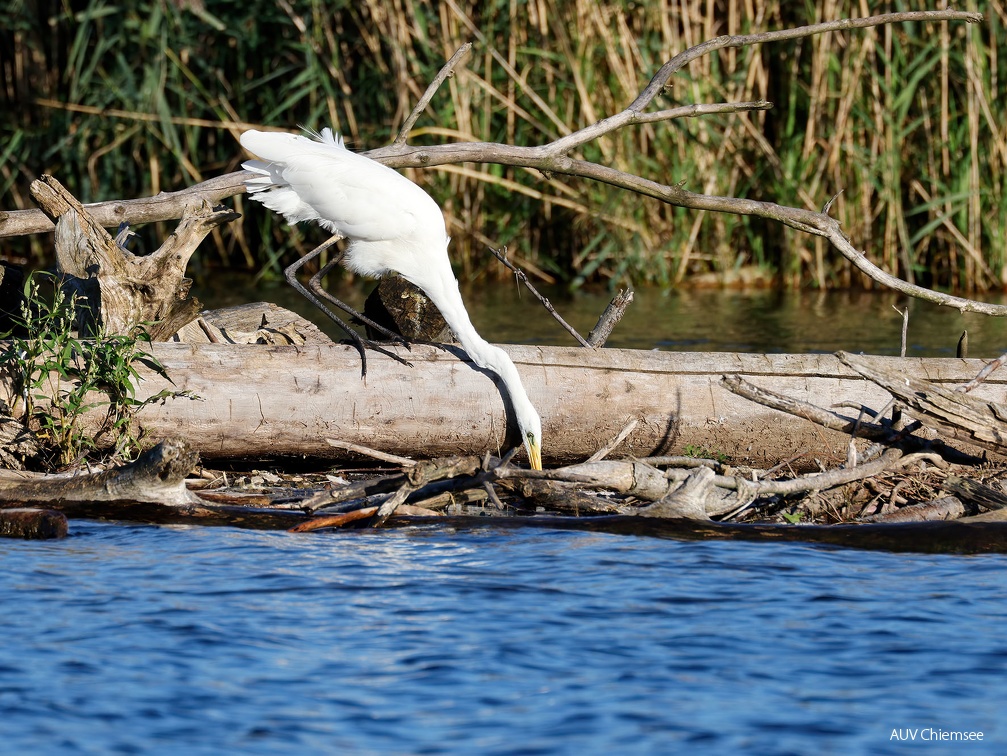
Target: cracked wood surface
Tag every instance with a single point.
(275, 401)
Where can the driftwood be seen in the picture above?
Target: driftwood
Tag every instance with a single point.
(253, 323)
(944, 508)
(157, 476)
(974, 491)
(117, 289)
(294, 397)
(956, 414)
(17, 443)
(261, 401)
(411, 497)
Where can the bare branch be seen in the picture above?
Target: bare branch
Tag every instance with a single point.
(612, 444)
(161, 207)
(984, 373)
(501, 255)
(676, 64)
(610, 318)
(445, 72)
(394, 459)
(629, 117)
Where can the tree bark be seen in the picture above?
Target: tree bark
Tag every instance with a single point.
(122, 289)
(31, 523)
(259, 401)
(157, 476)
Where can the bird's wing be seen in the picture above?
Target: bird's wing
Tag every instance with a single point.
(349, 193)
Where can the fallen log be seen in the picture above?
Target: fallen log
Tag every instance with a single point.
(157, 477)
(274, 401)
(32, 523)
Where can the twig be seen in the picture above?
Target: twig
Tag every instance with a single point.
(333, 521)
(367, 451)
(445, 72)
(491, 493)
(905, 328)
(352, 491)
(983, 374)
(608, 447)
(823, 417)
(610, 319)
(817, 482)
(501, 255)
(387, 509)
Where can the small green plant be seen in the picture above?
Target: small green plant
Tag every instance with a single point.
(701, 452)
(793, 517)
(59, 378)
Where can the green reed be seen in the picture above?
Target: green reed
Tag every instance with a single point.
(905, 121)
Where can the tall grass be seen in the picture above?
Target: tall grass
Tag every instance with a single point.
(905, 121)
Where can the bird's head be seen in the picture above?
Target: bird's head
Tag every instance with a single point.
(533, 444)
(530, 425)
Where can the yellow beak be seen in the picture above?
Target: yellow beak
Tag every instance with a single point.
(534, 454)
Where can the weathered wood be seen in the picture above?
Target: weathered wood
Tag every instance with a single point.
(944, 508)
(403, 308)
(975, 492)
(968, 417)
(270, 401)
(157, 476)
(32, 523)
(610, 318)
(119, 289)
(688, 501)
(252, 323)
(17, 443)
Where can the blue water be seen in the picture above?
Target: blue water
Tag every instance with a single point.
(140, 639)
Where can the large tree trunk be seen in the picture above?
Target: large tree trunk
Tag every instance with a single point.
(267, 401)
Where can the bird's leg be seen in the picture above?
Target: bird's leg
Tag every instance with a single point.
(290, 273)
(315, 284)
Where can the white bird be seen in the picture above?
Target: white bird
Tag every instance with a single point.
(392, 225)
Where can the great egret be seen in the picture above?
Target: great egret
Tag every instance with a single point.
(392, 225)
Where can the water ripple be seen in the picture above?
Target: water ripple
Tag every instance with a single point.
(130, 639)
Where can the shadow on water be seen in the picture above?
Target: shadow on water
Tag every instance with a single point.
(685, 321)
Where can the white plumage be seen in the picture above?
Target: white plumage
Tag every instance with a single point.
(391, 224)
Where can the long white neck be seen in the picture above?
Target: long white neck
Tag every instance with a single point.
(448, 300)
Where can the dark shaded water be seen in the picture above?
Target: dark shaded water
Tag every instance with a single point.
(126, 639)
(129, 639)
(694, 321)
